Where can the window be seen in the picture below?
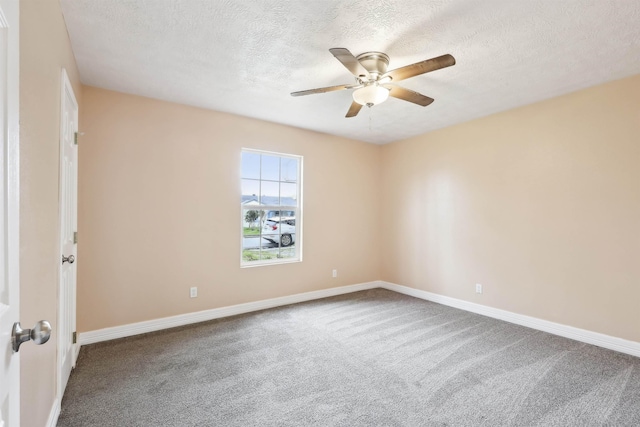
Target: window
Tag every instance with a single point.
(271, 208)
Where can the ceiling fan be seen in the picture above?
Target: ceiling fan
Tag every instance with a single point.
(374, 84)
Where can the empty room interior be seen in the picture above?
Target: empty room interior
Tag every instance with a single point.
(328, 213)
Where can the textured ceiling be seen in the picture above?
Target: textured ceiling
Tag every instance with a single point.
(245, 57)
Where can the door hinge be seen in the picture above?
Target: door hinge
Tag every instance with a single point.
(75, 237)
(74, 337)
(75, 138)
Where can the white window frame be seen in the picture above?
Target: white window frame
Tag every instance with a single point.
(297, 209)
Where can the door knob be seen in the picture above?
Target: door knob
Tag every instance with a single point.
(70, 259)
(40, 334)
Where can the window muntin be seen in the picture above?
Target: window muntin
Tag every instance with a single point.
(271, 211)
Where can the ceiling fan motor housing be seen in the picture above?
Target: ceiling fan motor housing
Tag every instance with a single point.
(376, 64)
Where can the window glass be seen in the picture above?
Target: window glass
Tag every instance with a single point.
(288, 193)
(270, 168)
(270, 194)
(289, 170)
(251, 165)
(251, 187)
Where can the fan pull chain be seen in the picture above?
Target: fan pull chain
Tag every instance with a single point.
(370, 119)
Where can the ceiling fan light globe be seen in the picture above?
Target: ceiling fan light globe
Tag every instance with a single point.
(370, 95)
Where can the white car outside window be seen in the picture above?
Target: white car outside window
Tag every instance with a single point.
(280, 230)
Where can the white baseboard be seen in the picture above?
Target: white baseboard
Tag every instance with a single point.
(54, 414)
(115, 332)
(589, 337)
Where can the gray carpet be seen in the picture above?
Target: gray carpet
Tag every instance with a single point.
(371, 358)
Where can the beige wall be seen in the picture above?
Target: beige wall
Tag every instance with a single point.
(540, 204)
(44, 51)
(159, 210)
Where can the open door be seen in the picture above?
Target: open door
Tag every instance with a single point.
(9, 202)
(68, 232)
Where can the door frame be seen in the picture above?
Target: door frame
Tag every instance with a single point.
(66, 89)
(9, 21)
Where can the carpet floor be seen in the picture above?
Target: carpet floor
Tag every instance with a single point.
(371, 358)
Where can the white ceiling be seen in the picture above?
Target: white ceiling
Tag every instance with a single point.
(245, 57)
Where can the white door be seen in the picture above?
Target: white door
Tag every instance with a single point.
(9, 279)
(68, 228)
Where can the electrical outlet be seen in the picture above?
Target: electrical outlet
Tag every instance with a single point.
(335, 273)
(193, 292)
(478, 288)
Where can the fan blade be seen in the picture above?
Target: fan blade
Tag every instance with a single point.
(420, 67)
(349, 61)
(354, 109)
(408, 95)
(324, 89)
